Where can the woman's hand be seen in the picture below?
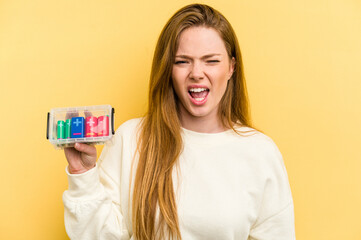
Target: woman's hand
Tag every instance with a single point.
(81, 158)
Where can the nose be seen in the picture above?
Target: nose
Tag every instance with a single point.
(197, 71)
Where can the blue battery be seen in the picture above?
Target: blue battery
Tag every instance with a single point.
(77, 127)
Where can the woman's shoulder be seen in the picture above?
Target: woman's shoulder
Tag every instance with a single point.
(263, 151)
(257, 139)
(126, 133)
(129, 127)
(252, 133)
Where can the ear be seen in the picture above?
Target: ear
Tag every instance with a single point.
(232, 67)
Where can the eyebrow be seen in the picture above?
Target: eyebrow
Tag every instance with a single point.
(203, 57)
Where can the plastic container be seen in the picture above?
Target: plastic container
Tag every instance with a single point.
(89, 124)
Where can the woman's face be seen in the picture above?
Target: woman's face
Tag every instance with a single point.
(200, 73)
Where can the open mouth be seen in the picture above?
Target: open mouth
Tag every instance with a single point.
(198, 95)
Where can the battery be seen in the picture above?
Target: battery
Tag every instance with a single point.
(68, 128)
(77, 127)
(91, 126)
(103, 126)
(61, 129)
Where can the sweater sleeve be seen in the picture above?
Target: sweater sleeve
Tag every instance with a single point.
(276, 227)
(92, 202)
(276, 213)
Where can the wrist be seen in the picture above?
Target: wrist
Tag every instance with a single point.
(86, 185)
(75, 170)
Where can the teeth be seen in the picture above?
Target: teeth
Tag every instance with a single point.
(197, 89)
(199, 99)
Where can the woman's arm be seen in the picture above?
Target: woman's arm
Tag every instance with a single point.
(276, 213)
(92, 202)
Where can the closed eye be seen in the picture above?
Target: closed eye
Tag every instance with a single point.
(212, 61)
(181, 62)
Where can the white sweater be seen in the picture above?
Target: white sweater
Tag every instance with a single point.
(226, 186)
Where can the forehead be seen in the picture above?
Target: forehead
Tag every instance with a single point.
(200, 41)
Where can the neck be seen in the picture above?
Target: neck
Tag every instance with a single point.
(206, 124)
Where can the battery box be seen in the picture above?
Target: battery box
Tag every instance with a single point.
(89, 124)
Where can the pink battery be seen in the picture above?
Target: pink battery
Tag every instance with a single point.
(103, 126)
(91, 127)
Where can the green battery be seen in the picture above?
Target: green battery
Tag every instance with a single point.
(61, 129)
(68, 128)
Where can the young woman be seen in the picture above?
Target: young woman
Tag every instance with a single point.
(192, 167)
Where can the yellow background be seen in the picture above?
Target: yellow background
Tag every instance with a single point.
(303, 69)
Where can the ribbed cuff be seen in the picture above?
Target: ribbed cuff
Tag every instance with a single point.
(84, 184)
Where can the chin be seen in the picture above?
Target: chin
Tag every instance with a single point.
(198, 113)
